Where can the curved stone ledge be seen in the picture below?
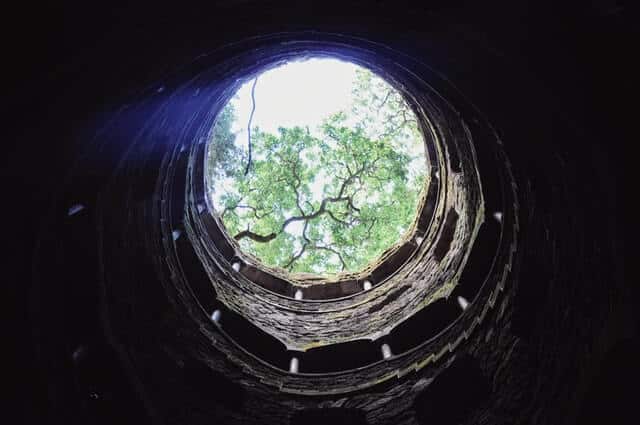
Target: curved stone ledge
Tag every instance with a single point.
(302, 325)
(421, 279)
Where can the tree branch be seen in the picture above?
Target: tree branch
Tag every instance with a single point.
(253, 110)
(296, 257)
(384, 101)
(255, 211)
(254, 236)
(295, 184)
(327, 248)
(226, 209)
(304, 247)
(344, 223)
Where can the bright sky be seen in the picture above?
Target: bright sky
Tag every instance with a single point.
(299, 93)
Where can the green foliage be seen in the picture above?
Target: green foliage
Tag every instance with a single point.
(222, 152)
(328, 201)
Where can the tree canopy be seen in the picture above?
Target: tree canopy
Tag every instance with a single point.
(322, 200)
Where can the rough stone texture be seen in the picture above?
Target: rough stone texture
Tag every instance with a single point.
(301, 324)
(202, 335)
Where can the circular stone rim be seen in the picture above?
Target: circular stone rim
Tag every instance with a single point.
(395, 257)
(340, 306)
(302, 280)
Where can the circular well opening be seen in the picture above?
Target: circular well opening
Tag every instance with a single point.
(316, 167)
